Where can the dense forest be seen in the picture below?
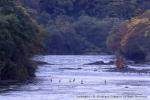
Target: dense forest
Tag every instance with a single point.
(70, 27)
(82, 26)
(19, 40)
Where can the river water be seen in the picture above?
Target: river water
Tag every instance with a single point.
(68, 78)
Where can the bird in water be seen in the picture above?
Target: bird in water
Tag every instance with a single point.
(126, 87)
(81, 81)
(69, 81)
(59, 81)
(74, 80)
(51, 80)
(105, 82)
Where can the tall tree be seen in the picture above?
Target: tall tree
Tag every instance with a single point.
(18, 43)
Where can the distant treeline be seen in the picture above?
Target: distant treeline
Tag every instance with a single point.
(82, 26)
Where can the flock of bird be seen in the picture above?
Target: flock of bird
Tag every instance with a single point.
(81, 81)
(73, 80)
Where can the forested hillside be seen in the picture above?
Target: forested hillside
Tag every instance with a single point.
(81, 26)
(19, 40)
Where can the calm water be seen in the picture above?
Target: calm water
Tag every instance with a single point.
(67, 78)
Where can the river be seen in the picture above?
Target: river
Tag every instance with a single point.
(68, 78)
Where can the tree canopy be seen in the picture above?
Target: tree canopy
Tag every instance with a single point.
(132, 38)
(18, 41)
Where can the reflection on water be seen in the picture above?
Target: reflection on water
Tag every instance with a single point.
(69, 79)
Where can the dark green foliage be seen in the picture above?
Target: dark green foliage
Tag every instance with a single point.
(88, 20)
(18, 33)
(97, 8)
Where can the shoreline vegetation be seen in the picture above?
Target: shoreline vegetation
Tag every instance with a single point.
(19, 40)
(31, 27)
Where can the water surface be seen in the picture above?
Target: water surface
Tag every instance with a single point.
(67, 78)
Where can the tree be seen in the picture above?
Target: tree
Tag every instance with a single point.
(132, 39)
(18, 41)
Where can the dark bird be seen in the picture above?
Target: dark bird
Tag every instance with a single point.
(126, 87)
(81, 81)
(105, 82)
(51, 80)
(74, 80)
(69, 81)
(59, 81)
